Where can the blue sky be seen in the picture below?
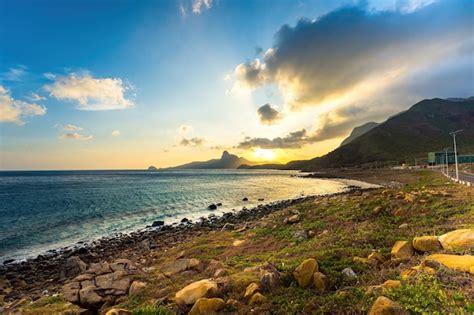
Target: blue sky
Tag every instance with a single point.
(121, 84)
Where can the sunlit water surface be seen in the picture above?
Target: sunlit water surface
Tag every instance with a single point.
(51, 209)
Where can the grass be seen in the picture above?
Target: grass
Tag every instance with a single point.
(426, 295)
(344, 226)
(152, 310)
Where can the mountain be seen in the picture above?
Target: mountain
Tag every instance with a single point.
(227, 161)
(410, 134)
(359, 131)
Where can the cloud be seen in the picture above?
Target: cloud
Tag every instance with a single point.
(91, 93)
(75, 136)
(35, 97)
(192, 142)
(268, 115)
(116, 133)
(182, 10)
(184, 129)
(354, 52)
(294, 140)
(70, 127)
(14, 74)
(49, 76)
(14, 111)
(199, 5)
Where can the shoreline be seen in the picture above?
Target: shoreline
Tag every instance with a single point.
(35, 276)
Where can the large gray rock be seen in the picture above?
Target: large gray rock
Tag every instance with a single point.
(101, 283)
(73, 266)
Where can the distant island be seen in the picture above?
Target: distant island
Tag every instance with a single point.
(227, 161)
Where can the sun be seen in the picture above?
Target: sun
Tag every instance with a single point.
(264, 154)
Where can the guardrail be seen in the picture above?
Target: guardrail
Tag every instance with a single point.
(463, 182)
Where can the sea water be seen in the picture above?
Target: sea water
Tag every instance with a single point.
(44, 210)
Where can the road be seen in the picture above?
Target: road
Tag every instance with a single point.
(464, 176)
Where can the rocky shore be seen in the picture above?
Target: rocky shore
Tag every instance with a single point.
(47, 272)
(406, 248)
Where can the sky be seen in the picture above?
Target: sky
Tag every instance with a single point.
(126, 84)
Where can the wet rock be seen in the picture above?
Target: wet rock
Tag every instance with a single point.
(205, 306)
(158, 223)
(184, 220)
(458, 239)
(212, 207)
(402, 250)
(304, 272)
(426, 244)
(245, 199)
(196, 290)
(73, 266)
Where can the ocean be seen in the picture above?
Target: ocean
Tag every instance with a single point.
(44, 210)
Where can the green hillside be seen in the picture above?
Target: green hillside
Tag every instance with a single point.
(411, 134)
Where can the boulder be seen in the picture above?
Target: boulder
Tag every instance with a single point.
(158, 223)
(71, 292)
(257, 298)
(456, 262)
(179, 265)
(220, 273)
(320, 281)
(196, 290)
(458, 239)
(212, 207)
(349, 273)
(376, 256)
(402, 250)
(416, 270)
(426, 244)
(302, 234)
(293, 219)
(251, 290)
(118, 311)
(101, 283)
(304, 272)
(73, 267)
(205, 306)
(389, 284)
(136, 288)
(270, 280)
(89, 297)
(385, 306)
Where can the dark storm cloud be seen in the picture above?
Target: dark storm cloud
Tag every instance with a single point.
(268, 115)
(320, 59)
